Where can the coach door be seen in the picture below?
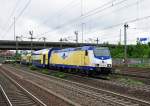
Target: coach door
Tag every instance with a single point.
(44, 59)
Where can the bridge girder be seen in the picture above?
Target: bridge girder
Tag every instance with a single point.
(26, 45)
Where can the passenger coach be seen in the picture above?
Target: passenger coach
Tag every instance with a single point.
(41, 58)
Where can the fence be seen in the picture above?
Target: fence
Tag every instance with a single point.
(132, 61)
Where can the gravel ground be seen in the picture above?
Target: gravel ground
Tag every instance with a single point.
(143, 72)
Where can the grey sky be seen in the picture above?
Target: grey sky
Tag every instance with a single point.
(53, 19)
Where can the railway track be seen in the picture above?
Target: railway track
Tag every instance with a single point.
(15, 94)
(47, 96)
(81, 93)
(134, 75)
(98, 80)
(134, 72)
(138, 91)
(4, 101)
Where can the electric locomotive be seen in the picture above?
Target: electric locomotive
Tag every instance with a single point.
(89, 59)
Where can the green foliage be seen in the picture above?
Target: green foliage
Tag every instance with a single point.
(149, 44)
(32, 67)
(149, 54)
(59, 74)
(16, 57)
(117, 52)
(45, 71)
(133, 51)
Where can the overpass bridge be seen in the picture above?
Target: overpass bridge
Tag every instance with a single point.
(26, 45)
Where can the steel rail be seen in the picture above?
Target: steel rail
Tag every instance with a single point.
(26, 91)
(5, 95)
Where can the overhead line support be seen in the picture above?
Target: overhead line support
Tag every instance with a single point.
(125, 44)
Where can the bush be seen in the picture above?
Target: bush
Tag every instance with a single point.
(59, 74)
(33, 67)
(45, 71)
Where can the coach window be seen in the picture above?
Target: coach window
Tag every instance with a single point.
(86, 53)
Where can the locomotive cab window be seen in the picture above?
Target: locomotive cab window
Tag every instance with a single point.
(86, 53)
(102, 52)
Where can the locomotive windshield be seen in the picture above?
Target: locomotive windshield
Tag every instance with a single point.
(101, 52)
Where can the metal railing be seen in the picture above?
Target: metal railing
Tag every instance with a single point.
(132, 61)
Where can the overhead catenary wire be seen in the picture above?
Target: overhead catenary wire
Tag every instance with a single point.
(116, 25)
(122, 23)
(130, 21)
(60, 10)
(126, 6)
(71, 3)
(118, 9)
(105, 28)
(127, 21)
(85, 16)
(17, 17)
(81, 9)
(13, 11)
(110, 3)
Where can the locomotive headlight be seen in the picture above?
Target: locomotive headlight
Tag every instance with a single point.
(108, 65)
(96, 65)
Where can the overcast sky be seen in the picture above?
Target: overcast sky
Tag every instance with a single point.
(55, 19)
